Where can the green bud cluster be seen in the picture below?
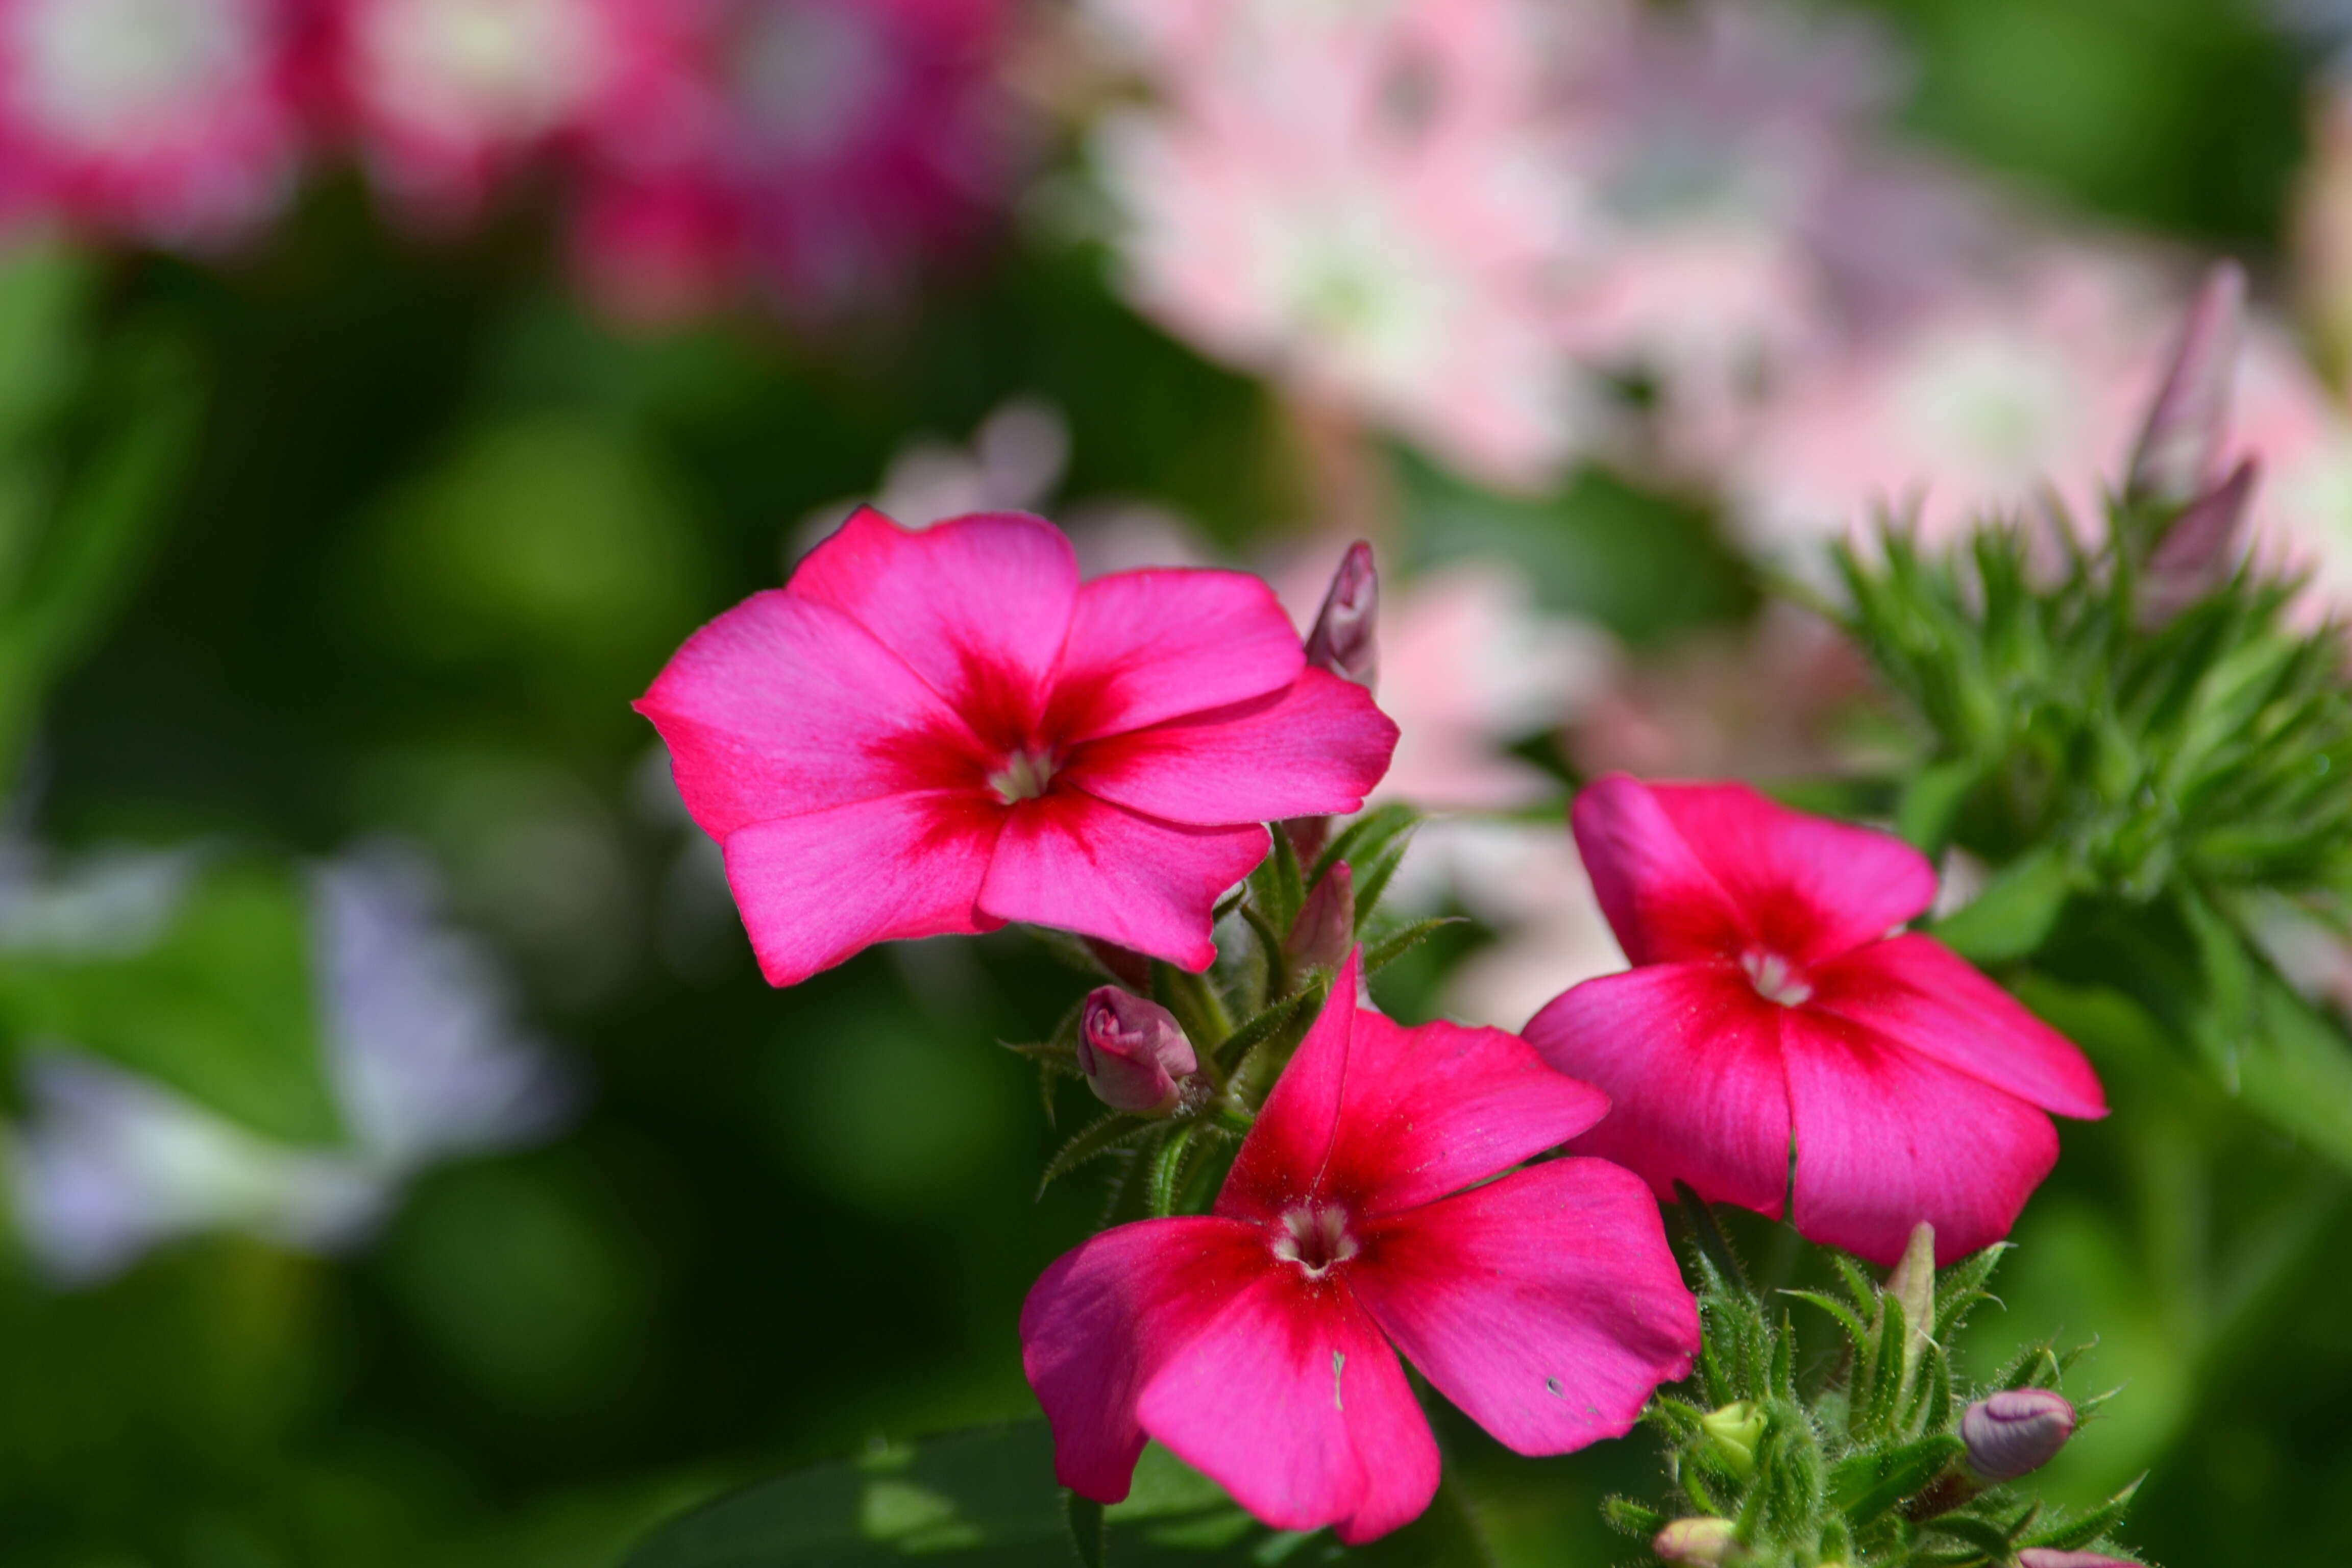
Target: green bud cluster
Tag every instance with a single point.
(1862, 1468)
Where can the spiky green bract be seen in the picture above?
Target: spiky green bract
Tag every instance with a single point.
(1859, 1465)
(2151, 777)
(2208, 751)
(1245, 1018)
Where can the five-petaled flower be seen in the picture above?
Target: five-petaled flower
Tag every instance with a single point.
(1768, 1002)
(1254, 1341)
(945, 730)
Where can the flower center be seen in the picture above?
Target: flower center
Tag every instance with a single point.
(1315, 1239)
(1025, 775)
(510, 67)
(1776, 979)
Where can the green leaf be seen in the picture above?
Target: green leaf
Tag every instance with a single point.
(1395, 945)
(2073, 1535)
(220, 1008)
(1856, 1331)
(2016, 912)
(1363, 840)
(1085, 1528)
(1931, 801)
(1867, 1485)
(1446, 1536)
(1114, 1131)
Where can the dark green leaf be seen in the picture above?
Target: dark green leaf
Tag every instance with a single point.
(1867, 1485)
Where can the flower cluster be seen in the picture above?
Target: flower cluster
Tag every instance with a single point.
(810, 150)
(944, 731)
(1680, 239)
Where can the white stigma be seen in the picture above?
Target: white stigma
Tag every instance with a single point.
(1025, 775)
(1775, 979)
(1315, 1239)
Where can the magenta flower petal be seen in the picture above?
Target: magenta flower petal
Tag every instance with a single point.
(1154, 644)
(1887, 1137)
(1422, 1113)
(1313, 749)
(1701, 871)
(1265, 1362)
(1690, 1059)
(1106, 1316)
(1293, 1402)
(1917, 992)
(1546, 1305)
(1079, 863)
(979, 606)
(816, 888)
(778, 707)
(1771, 1002)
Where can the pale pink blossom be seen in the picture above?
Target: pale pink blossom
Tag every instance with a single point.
(1769, 1009)
(175, 122)
(937, 731)
(1524, 882)
(446, 96)
(1259, 1342)
(1353, 204)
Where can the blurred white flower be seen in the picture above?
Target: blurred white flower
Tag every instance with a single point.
(421, 1050)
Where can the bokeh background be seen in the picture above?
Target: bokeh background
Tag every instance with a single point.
(407, 1163)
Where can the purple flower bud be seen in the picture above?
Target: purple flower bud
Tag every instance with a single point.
(1132, 1052)
(2015, 1432)
(2199, 550)
(1326, 927)
(2044, 1557)
(2180, 450)
(1706, 1542)
(1344, 640)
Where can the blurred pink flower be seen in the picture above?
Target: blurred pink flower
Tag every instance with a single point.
(1468, 665)
(447, 95)
(828, 147)
(1259, 1342)
(1350, 200)
(1525, 883)
(173, 122)
(1769, 1008)
(2004, 402)
(943, 730)
(1699, 146)
(1994, 403)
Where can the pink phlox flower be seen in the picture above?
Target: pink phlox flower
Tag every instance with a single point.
(1992, 402)
(937, 731)
(1259, 1342)
(1769, 1006)
(174, 122)
(1360, 211)
(446, 96)
(832, 145)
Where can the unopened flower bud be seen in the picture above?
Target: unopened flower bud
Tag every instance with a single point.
(1133, 1052)
(2198, 549)
(1913, 1284)
(2015, 1432)
(1326, 927)
(2180, 447)
(1344, 640)
(1734, 1432)
(2046, 1557)
(1701, 1541)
